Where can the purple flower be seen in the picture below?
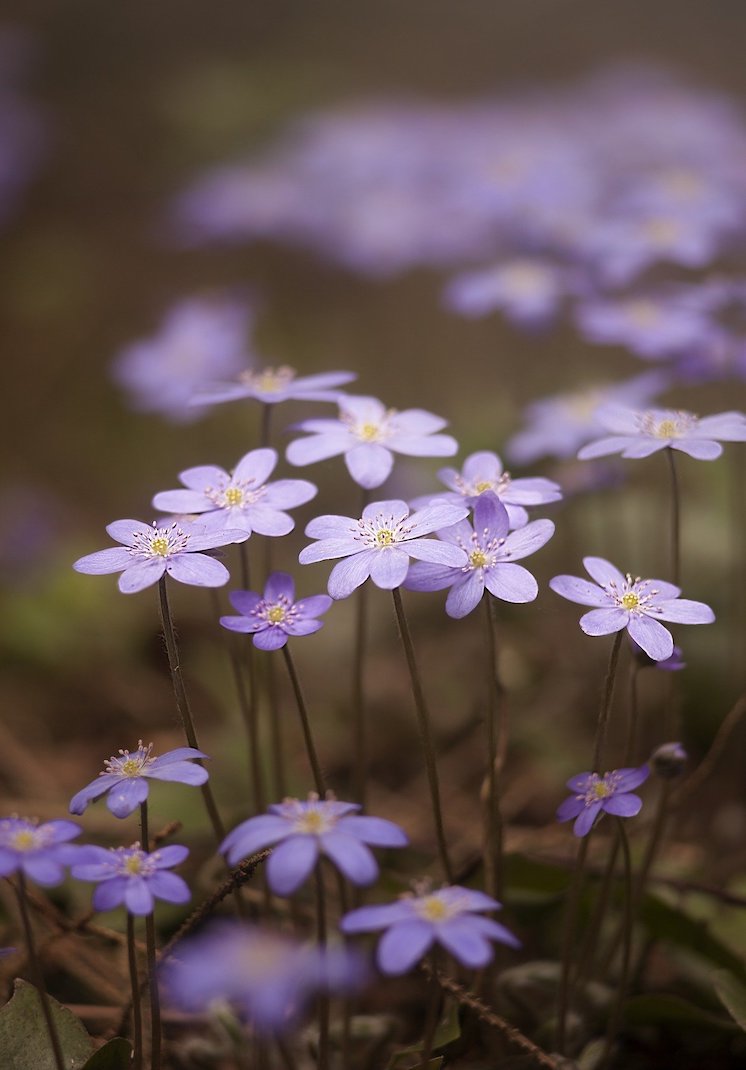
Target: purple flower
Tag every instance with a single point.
(267, 977)
(560, 425)
(638, 434)
(273, 385)
(635, 604)
(133, 877)
(125, 777)
(449, 916)
(242, 499)
(274, 617)
(594, 795)
(149, 551)
(528, 291)
(39, 851)
(368, 434)
(652, 326)
(381, 543)
(483, 472)
(673, 664)
(305, 830)
(490, 548)
(198, 341)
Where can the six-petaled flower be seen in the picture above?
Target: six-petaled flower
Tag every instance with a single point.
(637, 434)
(37, 850)
(594, 795)
(133, 877)
(275, 616)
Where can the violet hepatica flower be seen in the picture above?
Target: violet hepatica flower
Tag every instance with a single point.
(368, 434)
(125, 777)
(483, 472)
(39, 851)
(594, 795)
(491, 550)
(381, 543)
(306, 830)
(638, 434)
(267, 977)
(450, 916)
(149, 551)
(242, 499)
(528, 291)
(635, 604)
(131, 876)
(275, 616)
(273, 385)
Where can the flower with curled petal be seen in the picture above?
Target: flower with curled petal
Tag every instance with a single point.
(306, 830)
(275, 616)
(595, 795)
(635, 604)
(131, 876)
(149, 551)
(450, 916)
(242, 499)
(368, 434)
(125, 777)
(381, 543)
(637, 434)
(491, 552)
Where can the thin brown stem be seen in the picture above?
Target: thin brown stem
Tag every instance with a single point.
(423, 722)
(495, 717)
(568, 942)
(135, 985)
(675, 532)
(305, 721)
(605, 708)
(621, 987)
(360, 774)
(323, 1003)
(155, 1002)
(36, 969)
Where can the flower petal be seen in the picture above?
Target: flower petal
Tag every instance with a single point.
(369, 464)
(141, 575)
(578, 590)
(349, 574)
(604, 621)
(465, 596)
(103, 562)
(654, 639)
(461, 940)
(127, 796)
(403, 945)
(199, 570)
(373, 830)
(388, 568)
(291, 862)
(512, 583)
(350, 856)
(684, 611)
(603, 572)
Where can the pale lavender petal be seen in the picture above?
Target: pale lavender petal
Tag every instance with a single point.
(127, 796)
(221, 392)
(181, 773)
(700, 449)
(603, 447)
(202, 476)
(390, 507)
(349, 574)
(270, 638)
(423, 576)
(604, 621)
(315, 605)
(603, 572)
(198, 570)
(181, 501)
(618, 418)
(303, 627)
(623, 805)
(479, 467)
(438, 515)
(517, 515)
(374, 830)
(458, 533)
(244, 601)
(368, 919)
(279, 585)
(664, 591)
(351, 857)
(288, 493)
(570, 808)
(140, 575)
(330, 526)
(363, 408)
(578, 590)
(585, 821)
(424, 446)
(245, 625)
(419, 422)
(528, 540)
(126, 531)
(403, 946)
(495, 931)
(580, 782)
(291, 862)
(684, 611)
(728, 426)
(627, 779)
(206, 538)
(654, 639)
(114, 559)
(138, 897)
(170, 887)
(464, 597)
(369, 464)
(266, 521)
(535, 491)
(257, 465)
(318, 447)
(439, 553)
(512, 583)
(640, 448)
(326, 549)
(255, 834)
(466, 945)
(109, 894)
(491, 515)
(388, 568)
(42, 869)
(171, 855)
(97, 787)
(178, 754)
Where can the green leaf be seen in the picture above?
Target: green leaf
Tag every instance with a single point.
(24, 1040)
(667, 922)
(449, 1029)
(672, 1010)
(732, 995)
(116, 1054)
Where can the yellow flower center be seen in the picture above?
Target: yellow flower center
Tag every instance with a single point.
(368, 432)
(276, 615)
(313, 822)
(130, 767)
(432, 908)
(159, 546)
(478, 558)
(602, 790)
(630, 600)
(233, 496)
(385, 537)
(480, 488)
(666, 429)
(133, 865)
(25, 840)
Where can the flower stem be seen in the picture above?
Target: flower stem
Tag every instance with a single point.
(621, 986)
(182, 703)
(496, 725)
(675, 518)
(358, 683)
(313, 759)
(275, 730)
(155, 1002)
(423, 722)
(265, 431)
(323, 1057)
(568, 942)
(634, 712)
(46, 1006)
(608, 693)
(431, 1018)
(135, 985)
